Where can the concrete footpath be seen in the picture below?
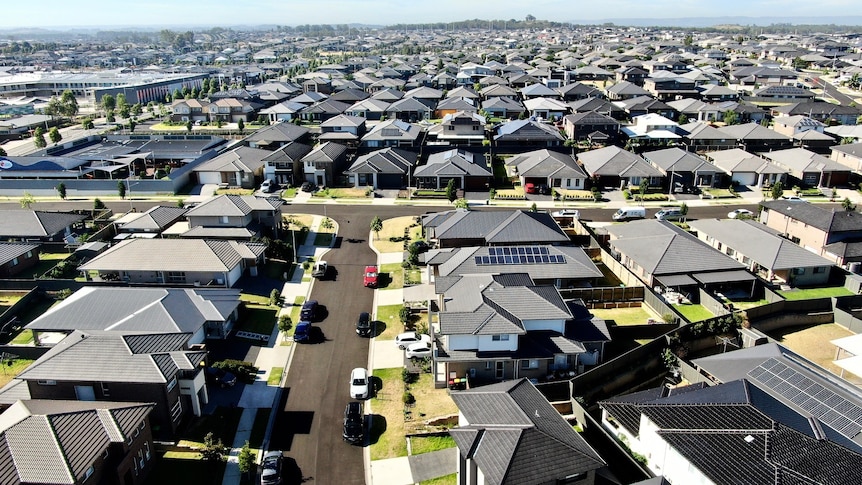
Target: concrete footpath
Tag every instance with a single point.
(262, 395)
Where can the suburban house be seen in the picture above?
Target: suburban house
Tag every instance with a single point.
(80, 442)
(796, 124)
(389, 168)
(848, 155)
(503, 107)
(460, 228)
(651, 128)
(342, 129)
(370, 109)
(469, 170)
(504, 326)
(682, 169)
(545, 167)
(325, 163)
(599, 105)
(662, 254)
(508, 433)
(172, 262)
(808, 169)
(583, 126)
(559, 266)
(460, 128)
(549, 109)
(240, 167)
(273, 136)
(756, 138)
(393, 133)
(262, 216)
(529, 134)
(700, 137)
(834, 234)
(617, 168)
(745, 168)
(826, 113)
(284, 164)
(17, 257)
(33, 225)
(152, 222)
(109, 366)
(200, 313)
(763, 251)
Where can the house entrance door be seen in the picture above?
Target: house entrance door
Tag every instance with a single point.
(499, 370)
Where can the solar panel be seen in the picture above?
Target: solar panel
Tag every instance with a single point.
(519, 255)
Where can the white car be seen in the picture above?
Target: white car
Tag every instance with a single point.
(419, 350)
(360, 384)
(407, 338)
(739, 212)
(562, 213)
(319, 269)
(793, 198)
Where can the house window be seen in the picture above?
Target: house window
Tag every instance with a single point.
(106, 392)
(529, 364)
(450, 128)
(171, 384)
(89, 473)
(29, 254)
(14, 261)
(500, 338)
(798, 271)
(488, 365)
(730, 251)
(224, 219)
(47, 382)
(147, 450)
(746, 260)
(176, 277)
(820, 270)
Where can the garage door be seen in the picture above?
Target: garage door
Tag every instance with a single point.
(389, 181)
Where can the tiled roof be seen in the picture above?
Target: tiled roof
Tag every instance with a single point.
(10, 251)
(172, 255)
(35, 224)
(233, 205)
(155, 219)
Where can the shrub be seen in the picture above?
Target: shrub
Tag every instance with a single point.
(275, 297)
(244, 371)
(408, 377)
(408, 399)
(404, 314)
(627, 195)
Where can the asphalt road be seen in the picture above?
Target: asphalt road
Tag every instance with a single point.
(832, 91)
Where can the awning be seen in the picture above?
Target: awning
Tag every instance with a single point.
(724, 276)
(669, 281)
(423, 292)
(850, 364)
(852, 344)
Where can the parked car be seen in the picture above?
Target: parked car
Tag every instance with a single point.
(271, 468)
(407, 338)
(669, 214)
(268, 186)
(308, 311)
(419, 350)
(308, 187)
(354, 429)
(793, 198)
(360, 384)
(566, 213)
(531, 188)
(363, 325)
(370, 277)
(220, 377)
(739, 213)
(319, 269)
(302, 332)
(627, 213)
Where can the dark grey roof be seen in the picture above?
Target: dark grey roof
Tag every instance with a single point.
(387, 160)
(516, 437)
(501, 227)
(10, 251)
(241, 159)
(521, 130)
(155, 219)
(35, 224)
(614, 161)
(174, 255)
(545, 163)
(454, 163)
(279, 132)
(831, 221)
(677, 160)
(290, 152)
(203, 232)
(577, 265)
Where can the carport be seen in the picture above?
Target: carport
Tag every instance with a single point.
(734, 278)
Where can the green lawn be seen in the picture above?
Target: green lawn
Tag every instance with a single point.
(427, 444)
(297, 306)
(624, 316)
(46, 262)
(388, 314)
(24, 337)
(257, 319)
(414, 276)
(693, 313)
(275, 376)
(391, 276)
(289, 193)
(444, 480)
(387, 428)
(814, 293)
(13, 368)
(353, 193)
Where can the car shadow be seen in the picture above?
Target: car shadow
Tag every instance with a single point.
(322, 313)
(376, 428)
(384, 280)
(376, 384)
(337, 242)
(378, 327)
(291, 474)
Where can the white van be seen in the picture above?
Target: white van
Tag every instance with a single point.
(628, 213)
(669, 214)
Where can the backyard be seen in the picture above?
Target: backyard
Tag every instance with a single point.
(814, 293)
(625, 316)
(812, 342)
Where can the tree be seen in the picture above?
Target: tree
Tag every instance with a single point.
(327, 223)
(376, 226)
(214, 450)
(121, 189)
(98, 204)
(132, 125)
(240, 125)
(683, 209)
(39, 137)
(68, 104)
(642, 188)
(451, 192)
(683, 119)
(87, 124)
(189, 125)
(109, 103)
(534, 208)
(462, 204)
(284, 323)
(848, 205)
(55, 135)
(731, 117)
(777, 191)
(27, 200)
(61, 190)
(245, 459)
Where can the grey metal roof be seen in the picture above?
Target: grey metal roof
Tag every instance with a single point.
(10, 251)
(831, 221)
(155, 219)
(242, 159)
(461, 261)
(800, 161)
(172, 255)
(678, 160)
(754, 240)
(546, 163)
(387, 160)
(233, 205)
(454, 162)
(501, 227)
(203, 232)
(614, 161)
(516, 437)
(96, 357)
(35, 224)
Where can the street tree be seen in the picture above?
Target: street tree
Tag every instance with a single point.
(54, 135)
(213, 450)
(777, 191)
(462, 204)
(68, 104)
(61, 190)
(109, 103)
(87, 124)
(848, 205)
(240, 125)
(121, 189)
(39, 137)
(376, 226)
(27, 200)
(245, 459)
(189, 125)
(451, 192)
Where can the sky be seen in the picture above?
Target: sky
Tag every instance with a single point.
(103, 13)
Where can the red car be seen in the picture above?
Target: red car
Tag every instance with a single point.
(370, 278)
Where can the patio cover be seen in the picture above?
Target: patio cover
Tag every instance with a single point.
(851, 344)
(724, 276)
(676, 280)
(850, 364)
(423, 292)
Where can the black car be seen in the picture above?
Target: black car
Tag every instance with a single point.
(308, 187)
(308, 311)
(220, 377)
(363, 325)
(354, 429)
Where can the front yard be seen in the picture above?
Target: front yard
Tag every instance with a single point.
(390, 238)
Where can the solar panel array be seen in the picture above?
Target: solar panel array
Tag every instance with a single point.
(519, 255)
(826, 405)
